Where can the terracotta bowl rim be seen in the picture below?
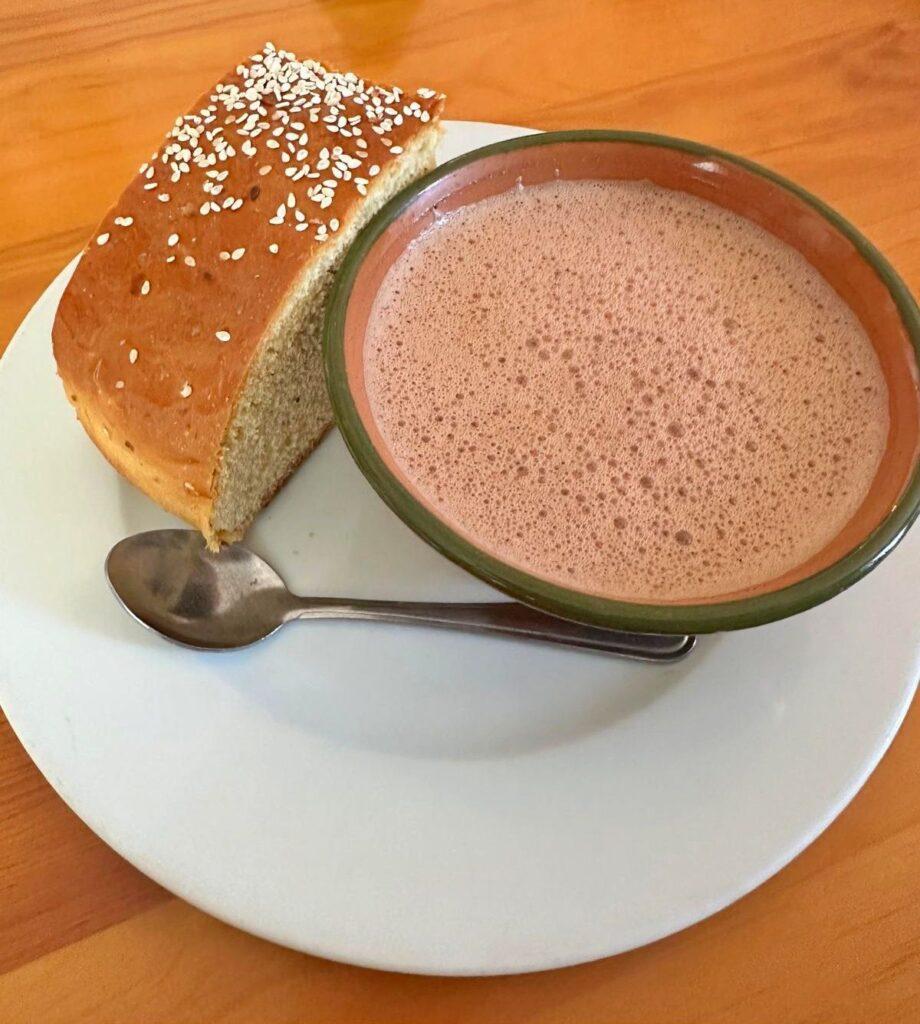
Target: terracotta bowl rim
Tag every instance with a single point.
(569, 603)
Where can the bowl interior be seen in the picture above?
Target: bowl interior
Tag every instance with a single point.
(849, 263)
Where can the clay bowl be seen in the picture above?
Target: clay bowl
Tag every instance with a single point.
(847, 260)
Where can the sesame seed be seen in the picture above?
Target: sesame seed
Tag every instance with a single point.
(189, 261)
(265, 169)
(273, 248)
(374, 170)
(163, 197)
(204, 208)
(225, 255)
(170, 259)
(150, 185)
(334, 224)
(103, 238)
(185, 390)
(396, 150)
(145, 288)
(173, 239)
(222, 335)
(238, 253)
(132, 356)
(119, 384)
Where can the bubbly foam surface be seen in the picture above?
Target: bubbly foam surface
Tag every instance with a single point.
(625, 389)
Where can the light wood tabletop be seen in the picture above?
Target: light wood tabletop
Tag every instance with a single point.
(826, 92)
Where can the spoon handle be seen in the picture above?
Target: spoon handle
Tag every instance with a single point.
(507, 618)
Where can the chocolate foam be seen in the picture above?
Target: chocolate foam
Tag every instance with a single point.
(625, 389)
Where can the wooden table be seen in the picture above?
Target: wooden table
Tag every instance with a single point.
(826, 91)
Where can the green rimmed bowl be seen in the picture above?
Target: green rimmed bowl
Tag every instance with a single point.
(846, 259)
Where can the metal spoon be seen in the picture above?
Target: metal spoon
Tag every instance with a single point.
(170, 582)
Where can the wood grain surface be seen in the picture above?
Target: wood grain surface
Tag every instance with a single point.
(825, 91)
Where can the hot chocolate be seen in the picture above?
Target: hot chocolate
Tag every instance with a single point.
(625, 390)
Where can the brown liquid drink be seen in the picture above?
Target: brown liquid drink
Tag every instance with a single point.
(625, 390)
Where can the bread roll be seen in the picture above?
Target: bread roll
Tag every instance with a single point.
(188, 339)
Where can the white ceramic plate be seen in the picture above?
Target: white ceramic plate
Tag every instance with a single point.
(401, 797)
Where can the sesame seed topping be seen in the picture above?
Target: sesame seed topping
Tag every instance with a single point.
(185, 390)
(132, 356)
(267, 113)
(119, 384)
(222, 335)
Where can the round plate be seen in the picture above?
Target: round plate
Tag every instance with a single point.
(401, 797)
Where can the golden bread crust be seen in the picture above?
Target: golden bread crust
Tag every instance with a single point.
(185, 276)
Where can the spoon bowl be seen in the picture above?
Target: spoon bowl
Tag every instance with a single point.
(169, 581)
